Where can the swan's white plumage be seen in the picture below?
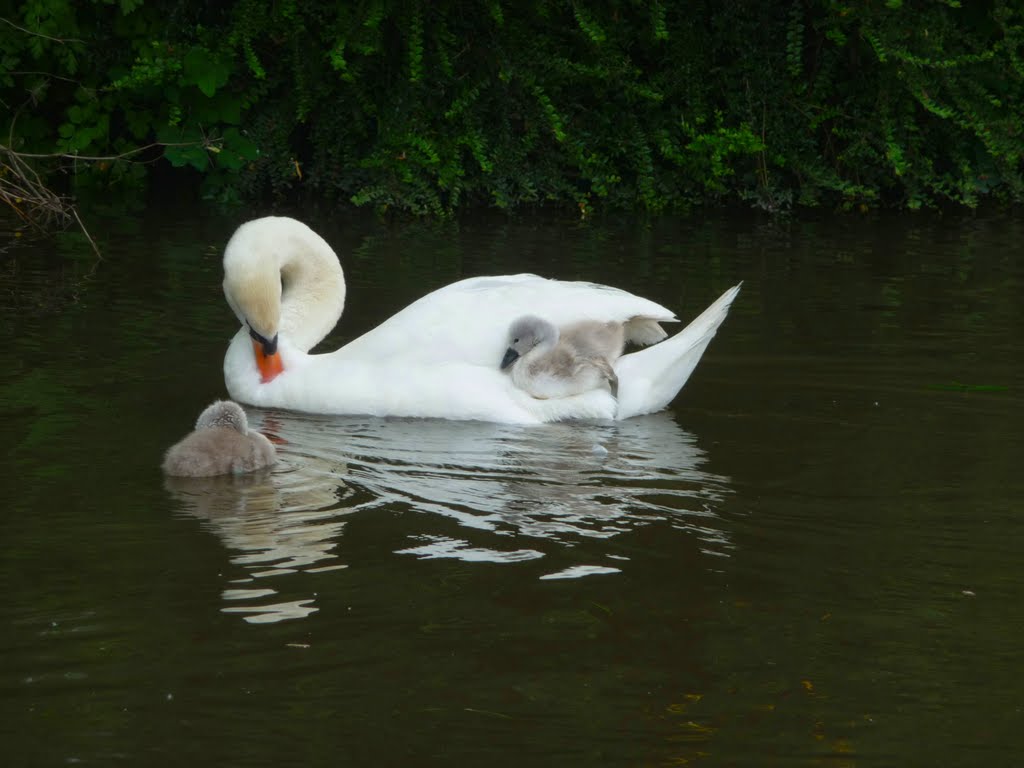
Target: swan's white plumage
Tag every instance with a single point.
(650, 378)
(438, 357)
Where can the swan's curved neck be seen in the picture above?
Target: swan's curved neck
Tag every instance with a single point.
(282, 277)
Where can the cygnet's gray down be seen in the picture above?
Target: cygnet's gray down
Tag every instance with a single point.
(222, 444)
(548, 363)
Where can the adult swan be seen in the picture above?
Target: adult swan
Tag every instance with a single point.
(440, 356)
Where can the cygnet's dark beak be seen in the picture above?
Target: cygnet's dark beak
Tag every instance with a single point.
(510, 357)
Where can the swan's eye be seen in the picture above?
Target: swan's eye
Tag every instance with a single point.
(515, 341)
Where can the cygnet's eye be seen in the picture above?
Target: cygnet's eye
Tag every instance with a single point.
(515, 341)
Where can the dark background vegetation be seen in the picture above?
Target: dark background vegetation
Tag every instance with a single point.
(432, 107)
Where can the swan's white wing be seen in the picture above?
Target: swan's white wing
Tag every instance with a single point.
(650, 378)
(468, 321)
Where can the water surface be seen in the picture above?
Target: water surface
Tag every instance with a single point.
(812, 558)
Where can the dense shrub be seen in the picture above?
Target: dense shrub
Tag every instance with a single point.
(428, 107)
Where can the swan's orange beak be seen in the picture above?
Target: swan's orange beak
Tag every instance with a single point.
(270, 365)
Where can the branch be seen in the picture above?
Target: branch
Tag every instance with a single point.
(74, 212)
(40, 34)
(32, 201)
(110, 158)
(44, 74)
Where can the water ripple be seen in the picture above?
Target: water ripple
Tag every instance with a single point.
(561, 484)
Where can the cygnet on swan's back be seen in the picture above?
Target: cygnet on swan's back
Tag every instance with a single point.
(222, 444)
(590, 338)
(559, 364)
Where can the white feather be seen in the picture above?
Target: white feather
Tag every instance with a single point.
(438, 357)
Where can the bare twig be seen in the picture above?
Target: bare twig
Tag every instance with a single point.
(24, 192)
(85, 232)
(40, 34)
(107, 158)
(44, 74)
(32, 201)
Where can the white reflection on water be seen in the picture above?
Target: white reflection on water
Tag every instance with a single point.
(556, 484)
(275, 523)
(546, 482)
(579, 571)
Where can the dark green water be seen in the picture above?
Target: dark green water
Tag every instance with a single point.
(814, 558)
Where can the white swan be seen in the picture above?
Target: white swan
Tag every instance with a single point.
(548, 362)
(222, 444)
(438, 357)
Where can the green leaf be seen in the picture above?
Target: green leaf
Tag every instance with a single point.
(79, 140)
(241, 145)
(204, 71)
(138, 123)
(185, 147)
(230, 109)
(190, 155)
(232, 161)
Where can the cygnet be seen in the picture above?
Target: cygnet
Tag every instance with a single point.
(222, 444)
(548, 363)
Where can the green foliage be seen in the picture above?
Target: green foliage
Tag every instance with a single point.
(426, 107)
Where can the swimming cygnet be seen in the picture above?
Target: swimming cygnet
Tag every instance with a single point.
(222, 444)
(557, 363)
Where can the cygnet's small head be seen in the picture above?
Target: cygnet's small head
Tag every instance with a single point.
(223, 413)
(526, 334)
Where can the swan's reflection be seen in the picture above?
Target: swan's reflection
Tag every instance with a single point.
(559, 482)
(554, 485)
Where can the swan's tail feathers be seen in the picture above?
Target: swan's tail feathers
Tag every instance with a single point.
(643, 331)
(650, 378)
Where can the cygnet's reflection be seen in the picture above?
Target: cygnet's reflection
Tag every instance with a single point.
(554, 485)
(274, 524)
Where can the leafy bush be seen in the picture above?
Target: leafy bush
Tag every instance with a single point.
(428, 107)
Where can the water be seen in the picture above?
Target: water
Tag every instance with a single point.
(813, 558)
